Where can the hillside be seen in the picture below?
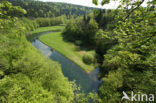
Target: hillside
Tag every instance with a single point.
(50, 9)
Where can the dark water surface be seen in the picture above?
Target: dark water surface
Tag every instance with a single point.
(87, 82)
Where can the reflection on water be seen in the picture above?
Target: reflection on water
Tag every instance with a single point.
(43, 48)
(87, 82)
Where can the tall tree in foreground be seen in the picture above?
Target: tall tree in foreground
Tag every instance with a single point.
(131, 64)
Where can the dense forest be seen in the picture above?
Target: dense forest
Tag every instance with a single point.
(50, 9)
(123, 41)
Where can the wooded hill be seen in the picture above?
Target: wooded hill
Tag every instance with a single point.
(50, 9)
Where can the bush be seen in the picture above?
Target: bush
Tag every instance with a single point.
(30, 25)
(88, 58)
(78, 42)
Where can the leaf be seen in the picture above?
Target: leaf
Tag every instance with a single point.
(95, 2)
(105, 2)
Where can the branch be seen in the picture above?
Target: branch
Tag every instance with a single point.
(133, 10)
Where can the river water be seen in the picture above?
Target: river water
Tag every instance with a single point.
(87, 81)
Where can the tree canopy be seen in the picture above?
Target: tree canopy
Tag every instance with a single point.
(25, 75)
(50, 9)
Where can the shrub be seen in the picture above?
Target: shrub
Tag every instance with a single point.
(88, 58)
(78, 42)
(29, 24)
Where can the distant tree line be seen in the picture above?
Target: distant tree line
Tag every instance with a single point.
(50, 9)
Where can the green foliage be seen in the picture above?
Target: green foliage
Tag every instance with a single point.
(92, 29)
(95, 2)
(88, 58)
(29, 24)
(129, 63)
(43, 22)
(78, 42)
(8, 11)
(19, 88)
(90, 98)
(109, 88)
(81, 29)
(36, 8)
(104, 41)
(72, 31)
(44, 71)
(25, 75)
(20, 57)
(126, 43)
(105, 18)
(102, 2)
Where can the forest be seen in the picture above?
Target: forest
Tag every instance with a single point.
(50, 9)
(120, 42)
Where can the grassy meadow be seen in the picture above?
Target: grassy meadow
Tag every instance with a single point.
(71, 51)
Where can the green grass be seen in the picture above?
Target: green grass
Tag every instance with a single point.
(50, 28)
(68, 49)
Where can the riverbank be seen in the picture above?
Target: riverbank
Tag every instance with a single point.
(68, 49)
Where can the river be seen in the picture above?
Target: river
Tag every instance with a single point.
(87, 81)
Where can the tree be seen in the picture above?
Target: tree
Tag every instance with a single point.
(25, 75)
(83, 29)
(92, 29)
(50, 9)
(19, 88)
(11, 11)
(133, 56)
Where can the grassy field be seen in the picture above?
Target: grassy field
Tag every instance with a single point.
(68, 49)
(50, 28)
